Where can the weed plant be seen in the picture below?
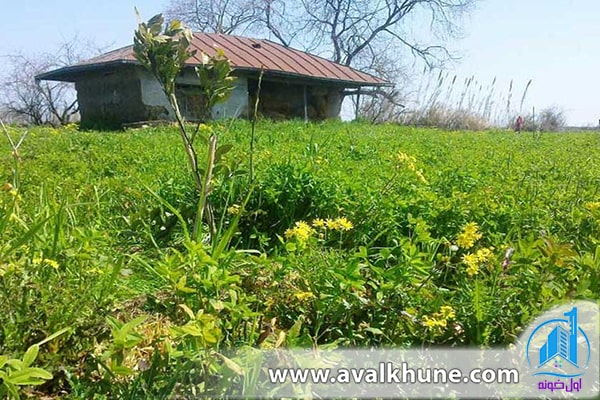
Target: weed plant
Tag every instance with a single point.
(354, 235)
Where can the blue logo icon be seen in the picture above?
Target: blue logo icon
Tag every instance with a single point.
(559, 347)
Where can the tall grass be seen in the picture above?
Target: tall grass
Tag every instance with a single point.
(445, 101)
(475, 105)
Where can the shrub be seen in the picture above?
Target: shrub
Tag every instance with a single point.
(552, 119)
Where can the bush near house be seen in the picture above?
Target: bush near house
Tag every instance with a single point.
(351, 234)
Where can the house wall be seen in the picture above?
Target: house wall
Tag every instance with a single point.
(235, 106)
(153, 98)
(334, 103)
(131, 94)
(111, 98)
(280, 99)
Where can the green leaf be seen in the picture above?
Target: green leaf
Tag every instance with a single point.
(294, 331)
(181, 285)
(374, 331)
(121, 370)
(229, 363)
(3, 360)
(222, 150)
(10, 387)
(291, 247)
(15, 364)
(224, 240)
(188, 311)
(209, 334)
(30, 355)
(26, 237)
(192, 330)
(29, 376)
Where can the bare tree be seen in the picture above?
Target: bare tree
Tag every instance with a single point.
(350, 32)
(26, 100)
(218, 16)
(552, 119)
(372, 35)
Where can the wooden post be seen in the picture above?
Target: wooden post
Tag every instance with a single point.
(357, 103)
(305, 105)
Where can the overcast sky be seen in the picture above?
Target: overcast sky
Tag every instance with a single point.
(556, 43)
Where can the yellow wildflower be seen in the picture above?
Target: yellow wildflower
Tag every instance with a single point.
(339, 224)
(289, 233)
(421, 176)
(432, 322)
(318, 223)
(234, 209)
(344, 224)
(472, 262)
(440, 318)
(401, 156)
(411, 164)
(205, 128)
(593, 206)
(447, 312)
(45, 261)
(301, 231)
(469, 235)
(472, 269)
(484, 254)
(304, 295)
(331, 224)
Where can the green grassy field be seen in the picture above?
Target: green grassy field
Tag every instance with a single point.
(351, 235)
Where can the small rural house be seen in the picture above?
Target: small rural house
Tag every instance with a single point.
(114, 89)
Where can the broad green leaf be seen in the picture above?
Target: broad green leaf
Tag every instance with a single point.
(188, 311)
(3, 360)
(29, 376)
(30, 355)
(121, 370)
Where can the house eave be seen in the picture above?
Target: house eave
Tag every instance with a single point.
(75, 72)
(307, 79)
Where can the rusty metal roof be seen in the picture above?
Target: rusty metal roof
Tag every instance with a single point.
(244, 54)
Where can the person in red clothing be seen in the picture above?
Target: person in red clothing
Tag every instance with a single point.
(519, 124)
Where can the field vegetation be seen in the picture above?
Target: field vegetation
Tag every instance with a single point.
(347, 234)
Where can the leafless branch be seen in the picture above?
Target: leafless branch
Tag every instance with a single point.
(371, 35)
(42, 102)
